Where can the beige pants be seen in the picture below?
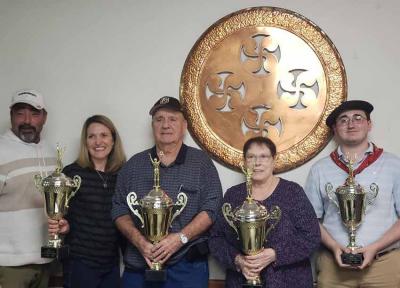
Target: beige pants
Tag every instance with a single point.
(383, 273)
(27, 276)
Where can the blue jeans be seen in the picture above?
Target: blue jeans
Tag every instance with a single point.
(77, 275)
(183, 274)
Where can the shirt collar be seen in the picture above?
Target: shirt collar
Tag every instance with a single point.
(342, 157)
(180, 158)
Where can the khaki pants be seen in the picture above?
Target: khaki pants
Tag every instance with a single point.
(382, 273)
(27, 276)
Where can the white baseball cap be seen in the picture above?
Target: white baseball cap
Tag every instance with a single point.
(30, 97)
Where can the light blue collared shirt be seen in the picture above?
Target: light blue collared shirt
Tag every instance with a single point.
(380, 216)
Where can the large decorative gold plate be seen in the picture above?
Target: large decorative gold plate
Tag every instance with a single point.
(262, 71)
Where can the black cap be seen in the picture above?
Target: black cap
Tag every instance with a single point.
(346, 106)
(166, 102)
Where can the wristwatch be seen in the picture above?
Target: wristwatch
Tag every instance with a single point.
(184, 238)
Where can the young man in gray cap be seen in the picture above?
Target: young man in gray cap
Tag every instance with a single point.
(23, 223)
(182, 169)
(379, 233)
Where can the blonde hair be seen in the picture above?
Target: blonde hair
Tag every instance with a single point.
(116, 158)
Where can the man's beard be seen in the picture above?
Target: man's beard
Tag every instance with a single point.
(27, 133)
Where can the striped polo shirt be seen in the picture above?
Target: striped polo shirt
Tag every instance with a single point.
(23, 221)
(93, 237)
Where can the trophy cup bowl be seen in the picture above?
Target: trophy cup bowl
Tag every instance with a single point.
(351, 200)
(250, 222)
(58, 190)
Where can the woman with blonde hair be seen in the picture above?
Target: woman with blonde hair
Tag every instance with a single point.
(90, 233)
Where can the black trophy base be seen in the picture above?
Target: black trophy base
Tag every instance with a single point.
(255, 283)
(249, 285)
(55, 253)
(155, 275)
(352, 259)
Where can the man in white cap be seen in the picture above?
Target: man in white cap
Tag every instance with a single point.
(377, 263)
(23, 223)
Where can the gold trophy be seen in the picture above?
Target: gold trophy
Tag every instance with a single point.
(352, 200)
(156, 212)
(58, 190)
(250, 223)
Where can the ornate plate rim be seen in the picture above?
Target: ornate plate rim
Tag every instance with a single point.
(336, 84)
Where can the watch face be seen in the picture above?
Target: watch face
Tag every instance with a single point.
(184, 239)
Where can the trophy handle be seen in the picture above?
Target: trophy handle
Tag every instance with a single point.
(133, 204)
(331, 194)
(76, 183)
(274, 214)
(371, 195)
(227, 212)
(180, 204)
(38, 182)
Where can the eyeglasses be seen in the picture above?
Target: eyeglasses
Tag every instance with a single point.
(355, 119)
(261, 158)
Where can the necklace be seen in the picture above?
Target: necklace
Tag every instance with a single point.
(267, 191)
(103, 179)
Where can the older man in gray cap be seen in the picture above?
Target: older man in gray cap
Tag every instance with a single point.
(377, 263)
(23, 224)
(182, 169)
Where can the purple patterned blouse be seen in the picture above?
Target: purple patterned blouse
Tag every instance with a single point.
(294, 238)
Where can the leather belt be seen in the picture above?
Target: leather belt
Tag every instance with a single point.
(383, 253)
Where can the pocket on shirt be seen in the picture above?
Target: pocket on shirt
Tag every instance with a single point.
(189, 190)
(193, 202)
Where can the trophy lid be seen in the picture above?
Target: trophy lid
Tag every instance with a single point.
(250, 211)
(57, 179)
(350, 188)
(157, 198)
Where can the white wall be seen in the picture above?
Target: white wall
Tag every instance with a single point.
(118, 57)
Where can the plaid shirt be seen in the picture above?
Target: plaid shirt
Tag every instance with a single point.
(192, 173)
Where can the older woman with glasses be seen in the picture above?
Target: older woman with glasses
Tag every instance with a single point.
(284, 262)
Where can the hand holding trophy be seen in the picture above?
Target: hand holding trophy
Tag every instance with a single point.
(250, 221)
(156, 212)
(58, 190)
(352, 200)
